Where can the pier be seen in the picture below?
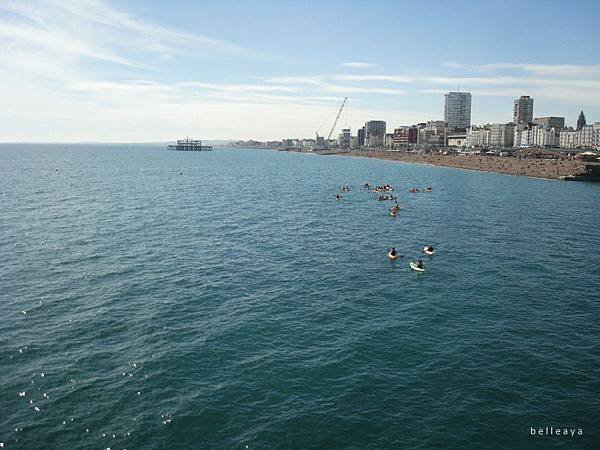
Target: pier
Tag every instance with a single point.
(189, 145)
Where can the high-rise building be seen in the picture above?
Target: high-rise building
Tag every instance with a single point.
(523, 110)
(457, 109)
(581, 120)
(360, 137)
(552, 122)
(374, 133)
(344, 138)
(319, 143)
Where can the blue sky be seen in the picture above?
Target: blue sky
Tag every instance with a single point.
(127, 71)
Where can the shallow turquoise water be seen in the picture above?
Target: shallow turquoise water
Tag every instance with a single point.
(225, 300)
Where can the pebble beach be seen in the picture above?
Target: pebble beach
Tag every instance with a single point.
(539, 168)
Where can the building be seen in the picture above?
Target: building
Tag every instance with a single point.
(523, 110)
(389, 141)
(435, 124)
(374, 133)
(344, 138)
(457, 140)
(587, 137)
(432, 133)
(477, 137)
(429, 137)
(404, 136)
(502, 135)
(567, 138)
(552, 122)
(581, 121)
(308, 144)
(523, 136)
(360, 137)
(457, 109)
(544, 136)
(319, 143)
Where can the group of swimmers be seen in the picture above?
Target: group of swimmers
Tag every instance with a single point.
(393, 253)
(384, 188)
(428, 250)
(342, 189)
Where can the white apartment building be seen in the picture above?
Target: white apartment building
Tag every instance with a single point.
(502, 135)
(544, 136)
(478, 137)
(523, 137)
(588, 136)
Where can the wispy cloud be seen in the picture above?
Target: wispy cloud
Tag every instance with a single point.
(95, 29)
(558, 83)
(378, 78)
(359, 65)
(56, 41)
(531, 68)
(313, 80)
(326, 84)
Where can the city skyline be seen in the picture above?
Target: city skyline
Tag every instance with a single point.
(138, 71)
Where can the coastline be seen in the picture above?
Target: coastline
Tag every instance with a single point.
(538, 168)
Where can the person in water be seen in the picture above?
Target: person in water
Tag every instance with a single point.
(420, 263)
(338, 197)
(393, 251)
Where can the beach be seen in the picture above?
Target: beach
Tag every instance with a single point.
(531, 167)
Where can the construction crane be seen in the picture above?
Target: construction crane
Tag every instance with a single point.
(337, 118)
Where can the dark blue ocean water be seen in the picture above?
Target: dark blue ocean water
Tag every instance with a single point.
(153, 299)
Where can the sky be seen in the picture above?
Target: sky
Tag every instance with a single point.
(151, 71)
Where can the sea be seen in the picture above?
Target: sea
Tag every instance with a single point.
(152, 299)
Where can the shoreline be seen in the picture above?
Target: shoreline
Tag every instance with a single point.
(553, 169)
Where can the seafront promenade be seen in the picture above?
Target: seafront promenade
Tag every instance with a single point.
(532, 167)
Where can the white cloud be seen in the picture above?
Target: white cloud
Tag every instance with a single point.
(141, 111)
(556, 83)
(359, 65)
(554, 70)
(94, 29)
(55, 41)
(547, 69)
(384, 78)
(313, 80)
(323, 84)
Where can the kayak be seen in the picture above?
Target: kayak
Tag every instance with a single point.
(413, 266)
(392, 256)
